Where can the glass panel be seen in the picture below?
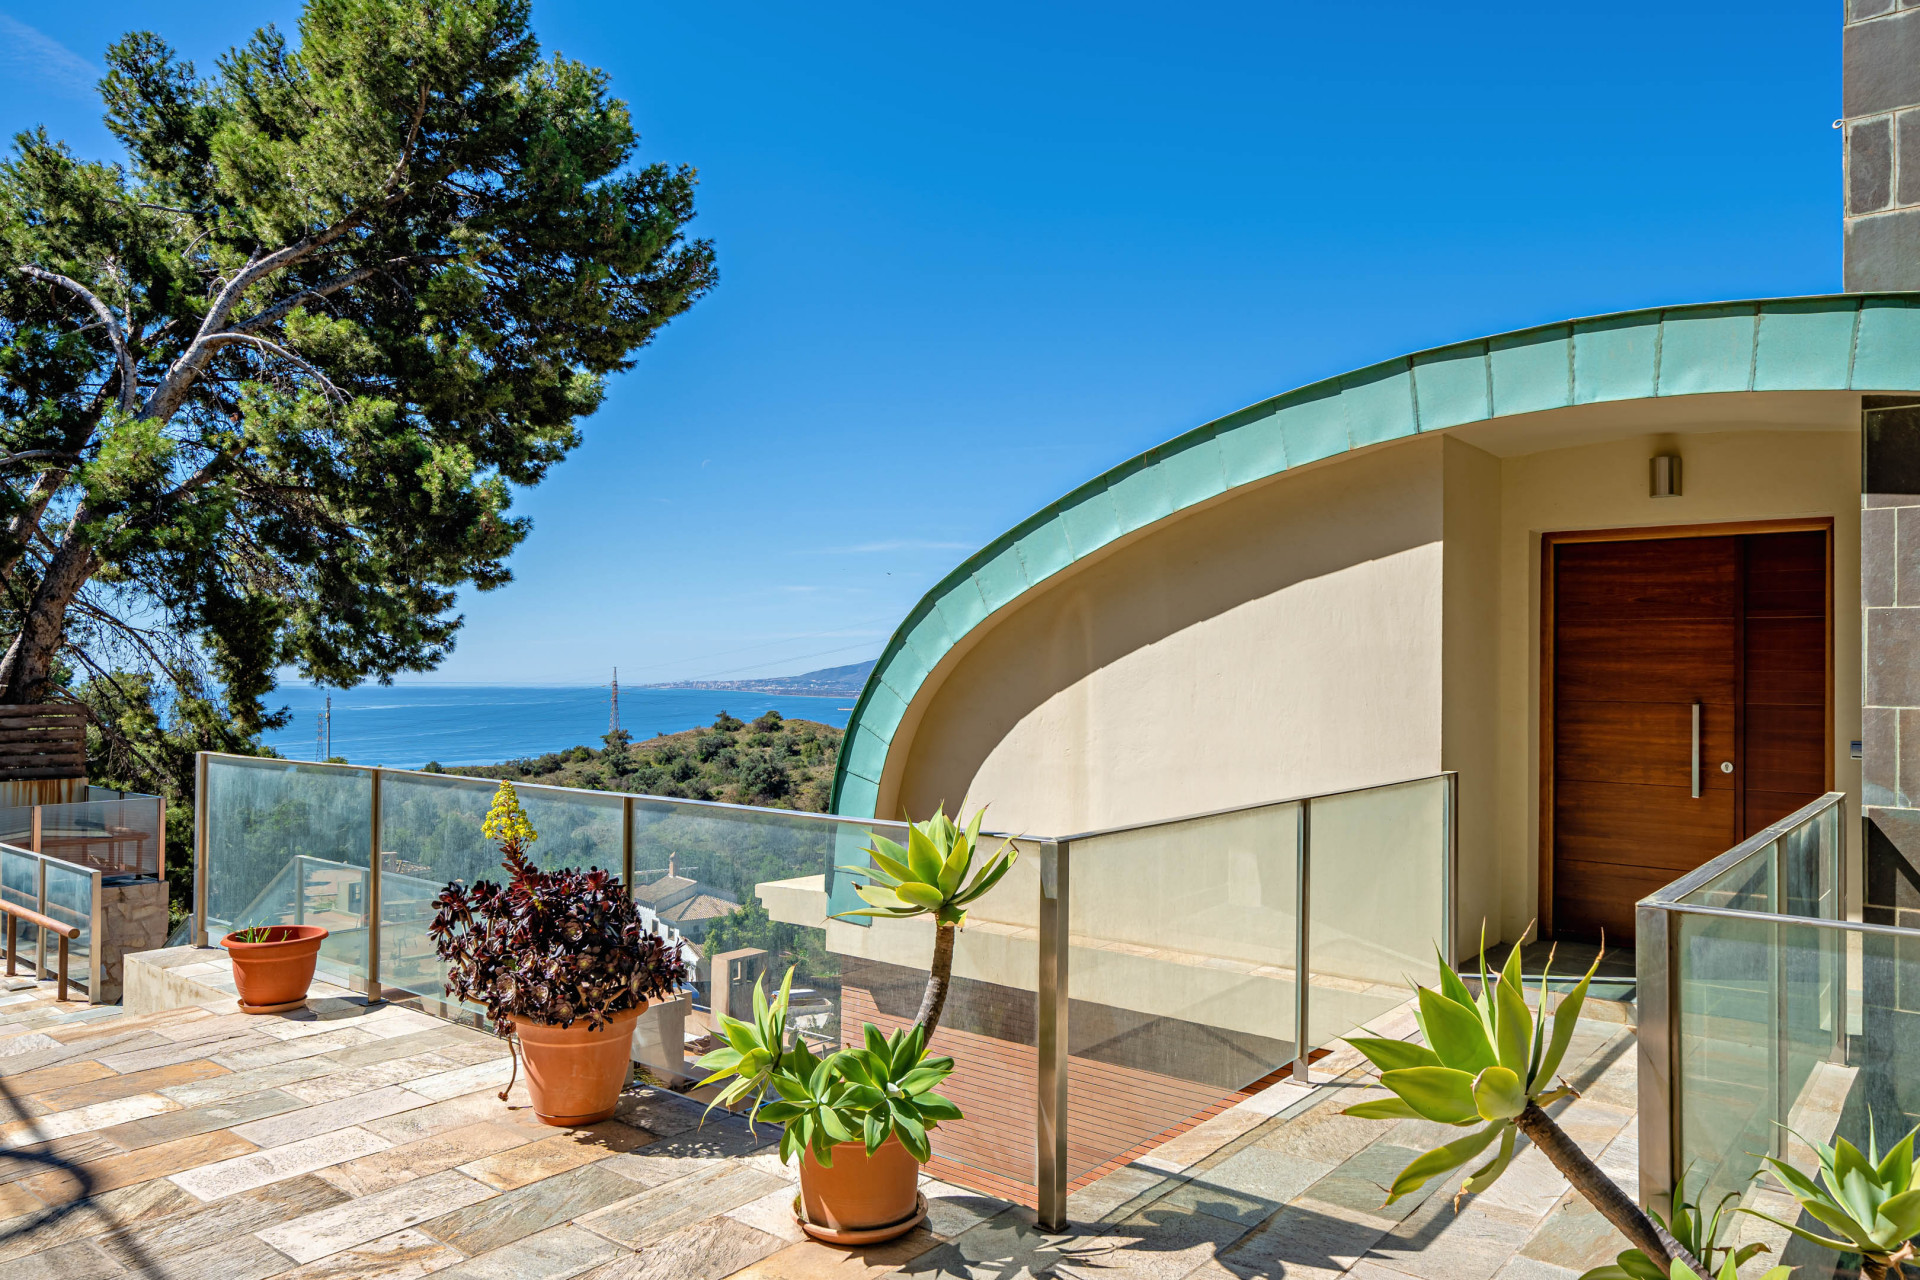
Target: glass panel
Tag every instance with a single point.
(430, 835)
(1747, 885)
(1181, 973)
(288, 843)
(1377, 901)
(20, 884)
(70, 901)
(16, 825)
(119, 837)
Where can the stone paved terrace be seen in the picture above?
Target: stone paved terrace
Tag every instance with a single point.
(348, 1141)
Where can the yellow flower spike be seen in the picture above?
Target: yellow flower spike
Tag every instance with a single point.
(506, 820)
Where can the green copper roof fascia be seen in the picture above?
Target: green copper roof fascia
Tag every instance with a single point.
(1803, 346)
(1861, 342)
(1614, 359)
(1707, 350)
(1452, 386)
(1889, 333)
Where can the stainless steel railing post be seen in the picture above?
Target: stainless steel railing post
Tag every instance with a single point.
(199, 849)
(1050, 1144)
(373, 898)
(1303, 881)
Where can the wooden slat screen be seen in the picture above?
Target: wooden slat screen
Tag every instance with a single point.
(43, 740)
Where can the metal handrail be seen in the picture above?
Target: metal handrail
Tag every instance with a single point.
(1670, 894)
(460, 778)
(1249, 808)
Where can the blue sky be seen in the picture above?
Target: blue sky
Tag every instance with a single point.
(972, 255)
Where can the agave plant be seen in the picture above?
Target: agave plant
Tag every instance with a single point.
(753, 1050)
(933, 876)
(1872, 1201)
(1490, 1066)
(1698, 1232)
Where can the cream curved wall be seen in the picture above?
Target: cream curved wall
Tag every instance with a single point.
(1282, 640)
(1363, 620)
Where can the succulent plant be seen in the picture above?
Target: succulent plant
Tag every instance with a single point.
(933, 876)
(548, 946)
(1873, 1201)
(1698, 1231)
(1490, 1066)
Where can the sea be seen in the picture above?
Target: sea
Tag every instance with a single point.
(406, 726)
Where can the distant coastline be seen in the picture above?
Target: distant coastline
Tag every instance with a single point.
(828, 682)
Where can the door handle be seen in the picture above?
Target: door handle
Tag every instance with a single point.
(1696, 751)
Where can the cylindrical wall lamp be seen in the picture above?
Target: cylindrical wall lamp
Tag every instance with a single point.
(1666, 475)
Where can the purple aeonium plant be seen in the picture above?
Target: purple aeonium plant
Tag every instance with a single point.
(549, 946)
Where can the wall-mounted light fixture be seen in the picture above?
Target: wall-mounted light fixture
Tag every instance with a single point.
(1666, 475)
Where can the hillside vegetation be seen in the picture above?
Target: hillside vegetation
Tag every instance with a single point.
(772, 762)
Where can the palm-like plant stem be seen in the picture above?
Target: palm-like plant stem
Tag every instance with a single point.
(933, 1001)
(1601, 1191)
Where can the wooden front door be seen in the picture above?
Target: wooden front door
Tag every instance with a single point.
(1642, 634)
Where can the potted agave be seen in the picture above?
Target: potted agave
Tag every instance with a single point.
(563, 964)
(858, 1120)
(273, 964)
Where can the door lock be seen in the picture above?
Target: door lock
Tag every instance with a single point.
(1726, 766)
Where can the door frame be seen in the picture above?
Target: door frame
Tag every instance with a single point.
(1549, 543)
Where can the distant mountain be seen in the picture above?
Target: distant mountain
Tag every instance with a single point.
(828, 682)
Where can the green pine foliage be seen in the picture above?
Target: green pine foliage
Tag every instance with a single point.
(772, 762)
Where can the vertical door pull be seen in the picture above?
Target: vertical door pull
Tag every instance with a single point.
(1696, 751)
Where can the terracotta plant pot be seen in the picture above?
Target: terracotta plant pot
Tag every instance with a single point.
(574, 1073)
(273, 976)
(874, 1197)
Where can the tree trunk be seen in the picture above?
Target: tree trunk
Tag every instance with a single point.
(939, 977)
(28, 663)
(1600, 1191)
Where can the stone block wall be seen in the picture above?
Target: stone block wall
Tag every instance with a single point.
(1881, 116)
(133, 917)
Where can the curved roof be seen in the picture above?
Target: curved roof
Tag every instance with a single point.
(1864, 342)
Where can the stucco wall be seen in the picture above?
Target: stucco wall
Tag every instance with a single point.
(1726, 476)
(1283, 639)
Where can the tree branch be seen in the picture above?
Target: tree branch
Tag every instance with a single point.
(326, 288)
(406, 148)
(129, 390)
(36, 455)
(213, 340)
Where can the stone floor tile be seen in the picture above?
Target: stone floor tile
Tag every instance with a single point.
(104, 1212)
(554, 1254)
(1362, 1183)
(1436, 1242)
(327, 1117)
(395, 1165)
(108, 1088)
(273, 1051)
(61, 1124)
(812, 1260)
(345, 1084)
(1270, 1175)
(660, 1211)
(404, 1255)
(1321, 1133)
(441, 1039)
(1529, 1188)
(1574, 1235)
(240, 1258)
(650, 1169)
(252, 1080)
(16, 1200)
(549, 1156)
(91, 1177)
(1305, 1239)
(1120, 1194)
(355, 1223)
(1275, 1098)
(454, 1113)
(950, 1209)
(660, 1111)
(1007, 1246)
(54, 1077)
(1201, 1141)
(706, 1250)
(168, 1052)
(188, 1121)
(773, 1214)
(197, 1225)
(1525, 1268)
(442, 1085)
(79, 1260)
(502, 1219)
(243, 1173)
(1161, 1242)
